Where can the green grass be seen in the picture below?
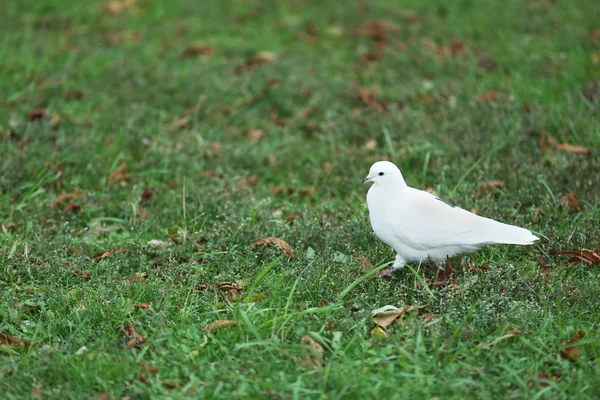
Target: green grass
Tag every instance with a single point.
(118, 82)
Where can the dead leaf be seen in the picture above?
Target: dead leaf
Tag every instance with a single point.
(196, 50)
(571, 349)
(116, 8)
(107, 253)
(327, 166)
(70, 207)
(103, 396)
(544, 380)
(158, 243)
(37, 392)
(119, 174)
(12, 341)
(573, 149)
(386, 315)
(220, 323)
(36, 114)
(147, 194)
(569, 202)
(32, 309)
(143, 306)
(135, 339)
(255, 61)
(215, 147)
(442, 276)
(490, 96)
(370, 144)
(231, 290)
(376, 29)
(487, 63)
(427, 317)
(314, 357)
(490, 186)
(369, 98)
(254, 135)
(250, 181)
(149, 368)
(588, 257)
(282, 244)
(64, 198)
(363, 261)
(86, 276)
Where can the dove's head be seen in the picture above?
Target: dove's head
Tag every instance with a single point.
(384, 173)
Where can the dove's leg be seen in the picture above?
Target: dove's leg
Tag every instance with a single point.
(398, 264)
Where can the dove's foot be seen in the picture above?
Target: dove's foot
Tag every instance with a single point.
(387, 273)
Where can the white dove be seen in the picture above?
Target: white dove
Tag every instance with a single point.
(420, 226)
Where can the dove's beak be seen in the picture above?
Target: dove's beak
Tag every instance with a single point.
(367, 179)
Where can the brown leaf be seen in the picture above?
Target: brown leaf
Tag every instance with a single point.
(196, 50)
(12, 341)
(427, 317)
(314, 357)
(250, 181)
(32, 309)
(107, 253)
(490, 96)
(64, 198)
(149, 368)
(143, 306)
(546, 142)
(254, 135)
(544, 380)
(569, 202)
(147, 194)
(282, 244)
(573, 149)
(220, 323)
(442, 276)
(588, 257)
(368, 97)
(119, 174)
(363, 261)
(370, 144)
(490, 186)
(36, 114)
(103, 396)
(70, 207)
(376, 29)
(487, 63)
(37, 392)
(571, 349)
(116, 8)
(135, 339)
(386, 315)
(255, 61)
(86, 276)
(215, 147)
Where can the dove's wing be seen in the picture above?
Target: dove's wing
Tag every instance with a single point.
(424, 221)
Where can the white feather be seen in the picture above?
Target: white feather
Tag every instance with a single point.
(419, 225)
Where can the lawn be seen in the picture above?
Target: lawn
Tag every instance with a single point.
(146, 148)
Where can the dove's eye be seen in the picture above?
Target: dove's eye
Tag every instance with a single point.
(381, 174)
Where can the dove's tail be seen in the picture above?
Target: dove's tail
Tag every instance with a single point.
(509, 234)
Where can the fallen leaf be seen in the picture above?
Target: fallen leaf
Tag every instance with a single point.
(149, 368)
(490, 96)
(196, 50)
(103, 396)
(369, 98)
(86, 276)
(327, 166)
(116, 8)
(255, 61)
(147, 194)
(37, 392)
(70, 207)
(386, 315)
(36, 114)
(158, 243)
(250, 181)
(442, 276)
(119, 174)
(571, 349)
(544, 380)
(12, 341)
(573, 149)
(220, 323)
(282, 244)
(143, 306)
(230, 289)
(135, 339)
(370, 144)
(490, 186)
(378, 333)
(32, 309)
(588, 257)
(487, 63)
(254, 135)
(427, 317)
(376, 29)
(314, 357)
(107, 253)
(569, 202)
(215, 147)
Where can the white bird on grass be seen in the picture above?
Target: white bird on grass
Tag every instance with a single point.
(420, 226)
